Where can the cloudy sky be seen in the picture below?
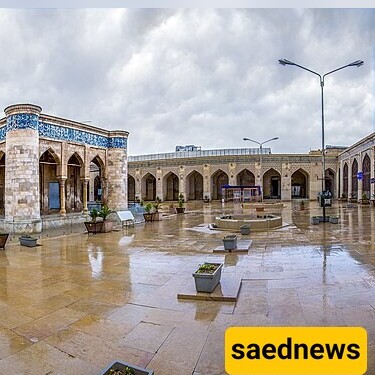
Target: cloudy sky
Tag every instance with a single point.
(207, 77)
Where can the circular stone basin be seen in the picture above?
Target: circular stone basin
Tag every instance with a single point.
(256, 222)
(265, 206)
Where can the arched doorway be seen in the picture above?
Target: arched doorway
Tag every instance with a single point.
(271, 184)
(345, 177)
(299, 184)
(354, 179)
(49, 185)
(74, 189)
(245, 178)
(366, 169)
(148, 187)
(171, 187)
(194, 186)
(2, 183)
(95, 188)
(330, 181)
(218, 179)
(131, 188)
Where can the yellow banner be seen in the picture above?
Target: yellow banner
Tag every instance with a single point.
(296, 350)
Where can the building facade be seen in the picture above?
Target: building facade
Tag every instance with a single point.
(50, 167)
(201, 174)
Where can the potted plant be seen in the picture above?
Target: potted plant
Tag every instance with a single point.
(94, 226)
(149, 214)
(207, 277)
(230, 242)
(3, 239)
(26, 240)
(103, 213)
(315, 220)
(206, 199)
(365, 199)
(352, 198)
(181, 204)
(123, 368)
(157, 206)
(245, 229)
(344, 197)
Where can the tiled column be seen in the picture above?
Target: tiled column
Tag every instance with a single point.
(21, 198)
(117, 193)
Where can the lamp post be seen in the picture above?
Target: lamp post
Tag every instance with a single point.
(261, 159)
(321, 79)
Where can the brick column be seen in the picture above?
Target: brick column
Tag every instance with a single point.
(117, 183)
(21, 198)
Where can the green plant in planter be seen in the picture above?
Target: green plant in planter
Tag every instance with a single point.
(126, 371)
(181, 200)
(207, 268)
(94, 213)
(157, 204)
(149, 207)
(364, 197)
(104, 212)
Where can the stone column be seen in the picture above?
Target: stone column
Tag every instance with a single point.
(341, 190)
(21, 198)
(206, 181)
(350, 185)
(159, 183)
(138, 185)
(372, 174)
(286, 193)
(62, 196)
(85, 183)
(117, 171)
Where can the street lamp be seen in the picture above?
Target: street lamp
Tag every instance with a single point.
(260, 159)
(321, 78)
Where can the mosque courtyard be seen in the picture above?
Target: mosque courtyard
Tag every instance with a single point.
(79, 302)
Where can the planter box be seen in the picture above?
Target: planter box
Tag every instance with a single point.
(315, 220)
(28, 241)
(121, 366)
(207, 282)
(180, 210)
(107, 226)
(3, 240)
(149, 217)
(94, 227)
(158, 216)
(245, 229)
(334, 219)
(230, 242)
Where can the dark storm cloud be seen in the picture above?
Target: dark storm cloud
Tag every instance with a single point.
(194, 76)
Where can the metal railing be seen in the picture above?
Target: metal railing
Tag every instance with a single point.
(201, 153)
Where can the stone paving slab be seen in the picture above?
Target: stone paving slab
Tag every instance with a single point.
(227, 290)
(242, 246)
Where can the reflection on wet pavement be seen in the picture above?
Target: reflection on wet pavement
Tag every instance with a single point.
(78, 302)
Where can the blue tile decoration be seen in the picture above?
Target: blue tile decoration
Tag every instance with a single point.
(22, 121)
(74, 135)
(61, 133)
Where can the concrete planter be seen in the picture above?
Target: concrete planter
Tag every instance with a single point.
(180, 210)
(207, 282)
(315, 220)
(158, 216)
(94, 228)
(28, 241)
(107, 226)
(230, 242)
(122, 366)
(149, 217)
(334, 219)
(245, 229)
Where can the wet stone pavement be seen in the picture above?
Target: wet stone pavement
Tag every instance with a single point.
(79, 302)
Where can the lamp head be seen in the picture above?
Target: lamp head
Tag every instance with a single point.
(356, 63)
(286, 62)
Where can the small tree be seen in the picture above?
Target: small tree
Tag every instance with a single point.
(157, 204)
(94, 213)
(181, 200)
(104, 212)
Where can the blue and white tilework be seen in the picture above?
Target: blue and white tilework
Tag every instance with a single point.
(74, 135)
(22, 121)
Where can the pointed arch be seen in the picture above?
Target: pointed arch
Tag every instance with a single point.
(299, 184)
(271, 184)
(194, 186)
(330, 181)
(245, 178)
(95, 185)
(354, 193)
(148, 187)
(366, 169)
(131, 188)
(345, 180)
(218, 179)
(171, 186)
(49, 191)
(74, 188)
